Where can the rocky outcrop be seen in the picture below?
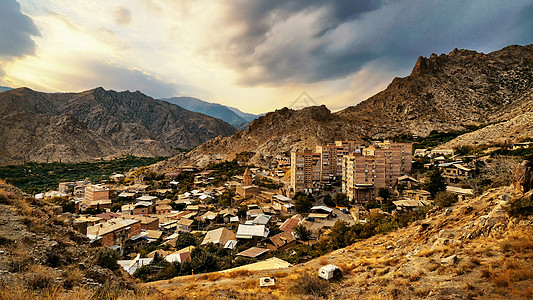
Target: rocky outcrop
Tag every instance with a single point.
(523, 177)
(74, 127)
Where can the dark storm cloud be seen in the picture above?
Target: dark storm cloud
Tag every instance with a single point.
(16, 30)
(344, 36)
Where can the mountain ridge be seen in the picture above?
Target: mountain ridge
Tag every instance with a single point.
(100, 123)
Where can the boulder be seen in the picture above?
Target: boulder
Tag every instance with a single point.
(523, 177)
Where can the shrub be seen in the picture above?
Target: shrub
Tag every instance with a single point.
(41, 277)
(310, 284)
(444, 199)
(522, 206)
(107, 258)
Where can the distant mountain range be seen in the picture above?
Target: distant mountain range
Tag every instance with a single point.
(231, 115)
(4, 88)
(72, 127)
(443, 93)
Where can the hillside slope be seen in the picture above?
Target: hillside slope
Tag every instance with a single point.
(443, 93)
(472, 250)
(75, 127)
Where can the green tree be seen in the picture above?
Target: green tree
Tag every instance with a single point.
(226, 198)
(302, 232)
(185, 239)
(341, 199)
(384, 193)
(303, 203)
(107, 258)
(437, 183)
(328, 200)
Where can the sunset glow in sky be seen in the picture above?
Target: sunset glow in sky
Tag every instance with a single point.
(256, 55)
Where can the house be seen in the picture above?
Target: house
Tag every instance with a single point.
(445, 152)
(131, 266)
(172, 175)
(410, 204)
(178, 257)
(209, 216)
(321, 212)
(252, 213)
(108, 215)
(163, 209)
(184, 225)
(455, 173)
(91, 220)
(420, 195)
(147, 222)
(153, 235)
(247, 191)
(523, 145)
(219, 236)
(260, 220)
(228, 214)
(283, 203)
(142, 208)
(114, 232)
(253, 252)
(281, 241)
(147, 198)
(289, 224)
(421, 152)
(245, 231)
(407, 181)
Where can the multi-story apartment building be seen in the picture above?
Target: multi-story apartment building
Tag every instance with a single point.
(305, 170)
(331, 156)
(377, 166)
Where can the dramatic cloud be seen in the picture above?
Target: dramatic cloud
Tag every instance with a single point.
(256, 55)
(310, 41)
(16, 30)
(122, 15)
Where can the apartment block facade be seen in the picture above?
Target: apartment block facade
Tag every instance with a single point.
(377, 166)
(305, 169)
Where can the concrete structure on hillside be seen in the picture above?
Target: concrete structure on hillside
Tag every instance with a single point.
(331, 156)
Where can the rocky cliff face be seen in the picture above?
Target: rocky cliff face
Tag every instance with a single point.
(448, 91)
(97, 123)
(443, 93)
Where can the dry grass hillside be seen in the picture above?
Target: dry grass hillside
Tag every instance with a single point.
(42, 257)
(473, 250)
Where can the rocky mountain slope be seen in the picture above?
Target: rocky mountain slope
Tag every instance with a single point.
(215, 110)
(472, 250)
(443, 92)
(75, 127)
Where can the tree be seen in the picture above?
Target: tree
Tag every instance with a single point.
(328, 200)
(107, 258)
(384, 193)
(302, 232)
(437, 183)
(185, 239)
(303, 203)
(341, 199)
(226, 198)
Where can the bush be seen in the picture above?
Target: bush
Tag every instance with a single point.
(444, 199)
(107, 258)
(522, 206)
(302, 232)
(310, 284)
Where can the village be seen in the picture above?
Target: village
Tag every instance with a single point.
(234, 216)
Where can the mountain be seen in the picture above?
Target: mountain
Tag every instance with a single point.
(96, 123)
(4, 88)
(246, 116)
(443, 92)
(231, 115)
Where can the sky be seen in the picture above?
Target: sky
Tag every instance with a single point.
(256, 55)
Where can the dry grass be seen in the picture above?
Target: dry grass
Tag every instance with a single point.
(40, 277)
(238, 273)
(214, 276)
(280, 274)
(73, 276)
(323, 261)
